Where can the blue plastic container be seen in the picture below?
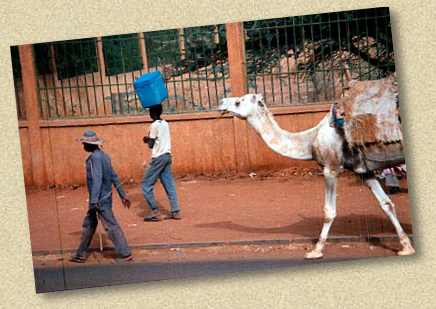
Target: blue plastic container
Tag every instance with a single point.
(151, 89)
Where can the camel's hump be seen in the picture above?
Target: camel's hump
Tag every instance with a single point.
(371, 112)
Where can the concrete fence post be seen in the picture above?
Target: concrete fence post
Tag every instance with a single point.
(182, 45)
(100, 56)
(143, 50)
(30, 95)
(238, 87)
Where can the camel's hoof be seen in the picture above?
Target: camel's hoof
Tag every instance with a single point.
(312, 255)
(406, 251)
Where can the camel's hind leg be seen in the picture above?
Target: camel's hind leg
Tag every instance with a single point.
(329, 213)
(389, 208)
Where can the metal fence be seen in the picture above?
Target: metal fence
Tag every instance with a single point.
(300, 60)
(294, 60)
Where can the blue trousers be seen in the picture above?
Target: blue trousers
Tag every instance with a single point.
(111, 226)
(160, 168)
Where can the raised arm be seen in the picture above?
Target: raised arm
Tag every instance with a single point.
(150, 141)
(152, 136)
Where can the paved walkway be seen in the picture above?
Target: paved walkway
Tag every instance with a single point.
(52, 273)
(241, 210)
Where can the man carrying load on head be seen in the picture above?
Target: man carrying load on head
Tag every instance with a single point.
(159, 141)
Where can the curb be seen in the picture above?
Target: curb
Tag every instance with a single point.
(300, 240)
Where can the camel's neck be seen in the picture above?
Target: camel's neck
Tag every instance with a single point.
(293, 145)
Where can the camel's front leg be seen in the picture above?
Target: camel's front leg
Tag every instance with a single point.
(389, 208)
(329, 213)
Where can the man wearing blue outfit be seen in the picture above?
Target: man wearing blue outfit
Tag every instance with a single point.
(100, 176)
(159, 140)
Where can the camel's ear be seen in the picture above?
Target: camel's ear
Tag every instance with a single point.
(253, 98)
(259, 99)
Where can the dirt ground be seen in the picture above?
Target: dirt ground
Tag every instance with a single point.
(263, 208)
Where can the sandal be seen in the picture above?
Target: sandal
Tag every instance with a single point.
(77, 259)
(128, 258)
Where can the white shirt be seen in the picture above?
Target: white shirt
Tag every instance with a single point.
(160, 131)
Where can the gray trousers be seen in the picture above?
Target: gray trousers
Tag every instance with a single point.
(111, 226)
(160, 168)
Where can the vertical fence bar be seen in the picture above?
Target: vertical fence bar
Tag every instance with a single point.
(279, 74)
(338, 24)
(214, 69)
(197, 71)
(102, 70)
(190, 79)
(69, 78)
(123, 43)
(324, 83)
(206, 64)
(181, 82)
(305, 49)
(314, 68)
(332, 72)
(94, 84)
(287, 64)
(28, 73)
(117, 80)
(269, 39)
(56, 90)
(223, 71)
(358, 46)
(77, 89)
(265, 95)
(349, 62)
(254, 66)
(387, 43)
(297, 70)
(80, 80)
(366, 45)
(44, 88)
(377, 47)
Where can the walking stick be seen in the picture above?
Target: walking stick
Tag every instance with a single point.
(99, 232)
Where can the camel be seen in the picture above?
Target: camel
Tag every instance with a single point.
(328, 146)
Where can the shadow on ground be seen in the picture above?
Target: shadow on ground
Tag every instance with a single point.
(344, 226)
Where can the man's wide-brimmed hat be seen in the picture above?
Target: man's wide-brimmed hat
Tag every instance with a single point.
(90, 137)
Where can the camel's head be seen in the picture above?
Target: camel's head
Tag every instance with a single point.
(242, 107)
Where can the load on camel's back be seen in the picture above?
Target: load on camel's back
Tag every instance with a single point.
(371, 121)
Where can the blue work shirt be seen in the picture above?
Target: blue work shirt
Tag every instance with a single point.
(99, 178)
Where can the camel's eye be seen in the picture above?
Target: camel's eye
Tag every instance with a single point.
(237, 103)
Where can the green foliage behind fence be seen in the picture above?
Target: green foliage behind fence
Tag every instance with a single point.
(121, 53)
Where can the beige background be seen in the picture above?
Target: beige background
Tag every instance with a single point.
(387, 282)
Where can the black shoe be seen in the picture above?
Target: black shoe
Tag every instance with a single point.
(174, 216)
(154, 216)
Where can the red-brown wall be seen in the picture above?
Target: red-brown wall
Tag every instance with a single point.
(203, 143)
